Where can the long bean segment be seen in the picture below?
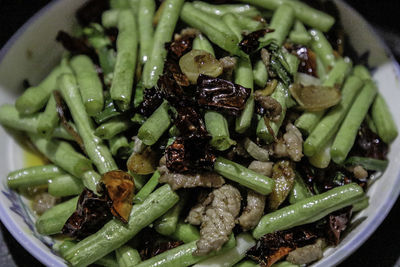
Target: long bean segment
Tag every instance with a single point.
(48, 120)
(163, 33)
(95, 148)
(322, 158)
(127, 41)
(155, 125)
(299, 191)
(62, 154)
(201, 43)
(65, 185)
(147, 188)
(166, 224)
(127, 256)
(260, 74)
(328, 126)
(299, 34)
(248, 178)
(383, 119)
(348, 130)
(309, 210)
(33, 176)
(306, 14)
(10, 117)
(217, 126)
(146, 31)
(115, 233)
(119, 145)
(52, 221)
(186, 232)
(321, 46)
(220, 10)
(113, 127)
(89, 83)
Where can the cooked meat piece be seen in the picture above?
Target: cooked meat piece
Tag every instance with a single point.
(294, 142)
(228, 65)
(196, 214)
(360, 172)
(280, 150)
(252, 213)
(307, 254)
(186, 180)
(264, 168)
(271, 108)
(189, 32)
(222, 206)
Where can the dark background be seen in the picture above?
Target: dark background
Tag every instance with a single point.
(381, 249)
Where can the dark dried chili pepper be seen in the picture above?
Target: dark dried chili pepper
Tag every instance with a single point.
(76, 46)
(308, 60)
(368, 144)
(221, 95)
(337, 223)
(152, 99)
(250, 42)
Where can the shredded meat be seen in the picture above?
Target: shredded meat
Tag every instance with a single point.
(360, 172)
(187, 180)
(252, 213)
(268, 106)
(291, 145)
(228, 65)
(264, 168)
(196, 214)
(307, 254)
(219, 212)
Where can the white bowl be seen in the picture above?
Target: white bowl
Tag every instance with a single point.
(32, 52)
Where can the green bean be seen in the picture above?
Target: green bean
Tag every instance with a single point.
(32, 176)
(248, 178)
(89, 83)
(221, 10)
(299, 190)
(113, 127)
(244, 242)
(370, 122)
(309, 120)
(109, 111)
(115, 233)
(362, 72)
(109, 18)
(182, 256)
(61, 133)
(321, 71)
(281, 22)
(306, 14)
(215, 29)
(186, 233)
(48, 120)
(10, 117)
(146, 190)
(244, 77)
(52, 221)
(347, 133)
(201, 43)
(233, 24)
(155, 125)
(322, 48)
(260, 74)
(119, 145)
(281, 95)
(322, 157)
(360, 205)
(299, 34)
(292, 61)
(62, 154)
(140, 180)
(247, 263)
(383, 119)
(284, 264)
(249, 24)
(96, 150)
(91, 180)
(127, 41)
(163, 33)
(328, 126)
(370, 164)
(127, 256)
(174, 131)
(217, 126)
(146, 31)
(166, 224)
(65, 186)
(35, 98)
(309, 209)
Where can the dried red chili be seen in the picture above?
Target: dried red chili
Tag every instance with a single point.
(250, 42)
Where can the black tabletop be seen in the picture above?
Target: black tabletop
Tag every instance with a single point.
(381, 249)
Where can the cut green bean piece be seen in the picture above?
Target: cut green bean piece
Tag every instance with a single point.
(322, 158)
(163, 33)
(328, 126)
(303, 12)
(281, 23)
(115, 233)
(48, 120)
(347, 133)
(52, 221)
(299, 191)
(220, 10)
(247, 263)
(95, 148)
(10, 117)
(140, 181)
(35, 98)
(244, 176)
(109, 18)
(232, 22)
(280, 94)
(89, 83)
(309, 209)
(155, 125)
(113, 127)
(166, 224)
(90, 180)
(299, 34)
(119, 4)
(217, 126)
(368, 163)
(322, 48)
(201, 43)
(370, 122)
(147, 189)
(244, 77)
(362, 72)
(260, 74)
(33, 176)
(65, 186)
(62, 154)
(127, 256)
(383, 119)
(249, 24)
(244, 242)
(124, 71)
(186, 233)
(360, 205)
(119, 146)
(146, 30)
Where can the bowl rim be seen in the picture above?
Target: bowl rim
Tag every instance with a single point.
(335, 258)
